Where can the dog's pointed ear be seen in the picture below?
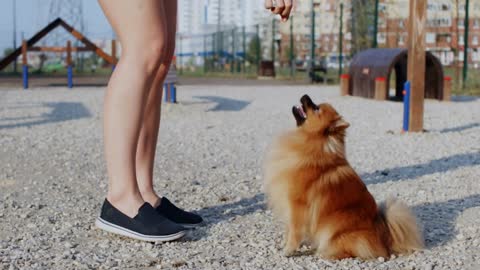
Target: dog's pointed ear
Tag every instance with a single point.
(338, 125)
(341, 124)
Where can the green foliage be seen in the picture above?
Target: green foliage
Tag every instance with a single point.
(253, 50)
(472, 85)
(362, 21)
(288, 53)
(7, 51)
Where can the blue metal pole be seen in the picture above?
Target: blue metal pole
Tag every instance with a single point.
(25, 77)
(165, 92)
(70, 76)
(406, 106)
(173, 93)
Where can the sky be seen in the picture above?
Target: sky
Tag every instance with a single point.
(32, 15)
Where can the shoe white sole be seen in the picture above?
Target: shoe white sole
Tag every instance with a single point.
(192, 226)
(112, 228)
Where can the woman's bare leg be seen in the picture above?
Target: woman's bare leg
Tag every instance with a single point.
(141, 28)
(147, 142)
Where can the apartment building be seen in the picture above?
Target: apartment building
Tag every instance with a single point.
(444, 31)
(327, 28)
(197, 18)
(194, 15)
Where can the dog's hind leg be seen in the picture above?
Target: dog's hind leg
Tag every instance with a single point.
(334, 254)
(336, 249)
(361, 244)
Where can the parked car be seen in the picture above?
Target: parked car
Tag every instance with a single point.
(53, 65)
(332, 62)
(319, 66)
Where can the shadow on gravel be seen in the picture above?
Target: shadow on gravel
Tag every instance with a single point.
(464, 98)
(59, 112)
(439, 218)
(225, 104)
(413, 171)
(103, 84)
(223, 212)
(460, 128)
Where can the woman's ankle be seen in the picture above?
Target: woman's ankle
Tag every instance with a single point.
(151, 197)
(128, 204)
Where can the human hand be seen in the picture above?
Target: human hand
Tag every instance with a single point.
(280, 7)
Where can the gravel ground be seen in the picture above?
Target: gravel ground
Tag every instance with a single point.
(52, 178)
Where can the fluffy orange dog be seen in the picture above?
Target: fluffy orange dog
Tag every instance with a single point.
(313, 189)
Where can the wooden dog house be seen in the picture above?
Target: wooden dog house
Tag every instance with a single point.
(370, 65)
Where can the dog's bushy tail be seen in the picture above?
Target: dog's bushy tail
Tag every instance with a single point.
(402, 225)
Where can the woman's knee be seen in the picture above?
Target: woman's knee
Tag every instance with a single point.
(154, 55)
(169, 52)
(148, 57)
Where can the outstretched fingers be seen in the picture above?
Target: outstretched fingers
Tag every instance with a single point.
(288, 8)
(269, 5)
(280, 7)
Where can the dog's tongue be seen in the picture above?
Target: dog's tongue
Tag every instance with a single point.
(300, 109)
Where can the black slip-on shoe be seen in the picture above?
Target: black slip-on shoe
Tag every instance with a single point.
(147, 225)
(177, 215)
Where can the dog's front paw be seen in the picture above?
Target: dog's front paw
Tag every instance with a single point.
(288, 252)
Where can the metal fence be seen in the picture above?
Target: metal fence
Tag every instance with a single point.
(243, 49)
(232, 49)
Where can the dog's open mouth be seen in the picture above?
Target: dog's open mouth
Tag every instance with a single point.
(300, 112)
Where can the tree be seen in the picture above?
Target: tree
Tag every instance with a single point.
(253, 50)
(288, 54)
(7, 51)
(43, 58)
(362, 20)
